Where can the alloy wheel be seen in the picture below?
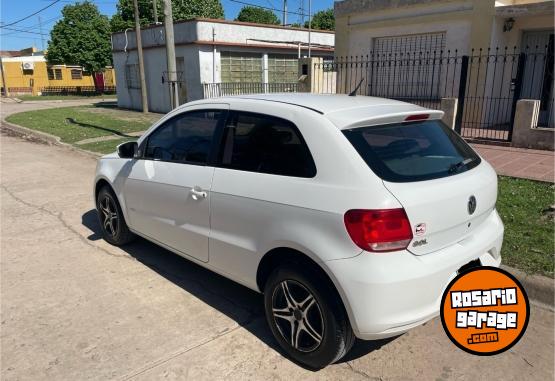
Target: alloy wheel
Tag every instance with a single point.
(109, 216)
(297, 316)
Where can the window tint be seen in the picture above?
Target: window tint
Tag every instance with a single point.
(417, 151)
(260, 143)
(184, 138)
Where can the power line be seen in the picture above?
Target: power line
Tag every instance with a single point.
(268, 8)
(24, 31)
(31, 15)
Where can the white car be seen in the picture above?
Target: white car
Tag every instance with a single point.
(350, 214)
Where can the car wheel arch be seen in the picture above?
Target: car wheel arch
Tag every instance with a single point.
(283, 255)
(101, 183)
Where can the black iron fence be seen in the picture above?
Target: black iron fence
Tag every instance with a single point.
(76, 90)
(213, 90)
(487, 83)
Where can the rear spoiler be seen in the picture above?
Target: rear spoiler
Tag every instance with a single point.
(357, 118)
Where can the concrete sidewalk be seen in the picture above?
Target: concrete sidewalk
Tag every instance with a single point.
(520, 162)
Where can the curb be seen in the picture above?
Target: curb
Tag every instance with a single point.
(44, 137)
(540, 289)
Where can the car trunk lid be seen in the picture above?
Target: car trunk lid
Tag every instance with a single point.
(441, 212)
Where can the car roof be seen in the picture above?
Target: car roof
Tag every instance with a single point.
(343, 110)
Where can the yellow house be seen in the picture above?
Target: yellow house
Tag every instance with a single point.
(30, 74)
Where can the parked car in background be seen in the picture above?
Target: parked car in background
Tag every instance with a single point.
(350, 214)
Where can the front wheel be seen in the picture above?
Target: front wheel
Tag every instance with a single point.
(110, 217)
(308, 321)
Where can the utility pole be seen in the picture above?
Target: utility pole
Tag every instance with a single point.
(284, 12)
(41, 34)
(170, 53)
(155, 9)
(309, 28)
(144, 97)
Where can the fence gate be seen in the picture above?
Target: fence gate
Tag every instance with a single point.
(488, 83)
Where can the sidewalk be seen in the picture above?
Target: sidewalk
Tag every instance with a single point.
(519, 162)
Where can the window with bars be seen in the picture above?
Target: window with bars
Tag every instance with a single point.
(132, 76)
(54, 74)
(283, 69)
(241, 67)
(76, 74)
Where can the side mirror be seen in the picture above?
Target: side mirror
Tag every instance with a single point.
(128, 150)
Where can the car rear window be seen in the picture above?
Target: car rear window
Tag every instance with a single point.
(416, 151)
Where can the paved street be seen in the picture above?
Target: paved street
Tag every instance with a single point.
(74, 307)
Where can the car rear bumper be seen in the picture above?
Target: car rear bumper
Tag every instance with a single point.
(388, 294)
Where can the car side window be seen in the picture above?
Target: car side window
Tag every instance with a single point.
(186, 138)
(266, 144)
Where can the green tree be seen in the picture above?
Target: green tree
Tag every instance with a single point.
(257, 15)
(181, 9)
(81, 37)
(324, 20)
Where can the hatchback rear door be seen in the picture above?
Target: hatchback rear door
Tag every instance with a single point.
(444, 186)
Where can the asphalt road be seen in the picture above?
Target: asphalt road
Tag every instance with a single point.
(74, 307)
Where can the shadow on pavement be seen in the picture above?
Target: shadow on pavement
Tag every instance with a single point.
(239, 303)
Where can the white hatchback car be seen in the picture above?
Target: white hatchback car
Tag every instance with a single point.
(350, 214)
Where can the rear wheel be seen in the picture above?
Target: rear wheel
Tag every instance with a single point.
(110, 216)
(308, 321)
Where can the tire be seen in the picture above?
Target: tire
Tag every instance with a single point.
(287, 287)
(111, 220)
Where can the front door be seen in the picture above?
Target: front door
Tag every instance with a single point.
(538, 74)
(167, 193)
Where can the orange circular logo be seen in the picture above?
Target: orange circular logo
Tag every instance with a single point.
(485, 311)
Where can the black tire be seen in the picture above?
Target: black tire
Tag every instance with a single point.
(111, 220)
(337, 337)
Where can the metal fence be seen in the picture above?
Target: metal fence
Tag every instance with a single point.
(76, 90)
(213, 90)
(488, 83)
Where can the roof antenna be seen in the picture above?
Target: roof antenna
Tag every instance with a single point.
(354, 92)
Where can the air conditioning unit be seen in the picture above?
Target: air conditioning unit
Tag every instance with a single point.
(28, 65)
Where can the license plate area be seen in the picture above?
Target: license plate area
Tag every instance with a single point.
(469, 266)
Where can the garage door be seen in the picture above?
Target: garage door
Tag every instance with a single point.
(408, 67)
(413, 43)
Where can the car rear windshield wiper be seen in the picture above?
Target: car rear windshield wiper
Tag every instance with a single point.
(455, 167)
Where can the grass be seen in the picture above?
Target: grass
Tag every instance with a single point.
(63, 97)
(524, 207)
(73, 124)
(107, 146)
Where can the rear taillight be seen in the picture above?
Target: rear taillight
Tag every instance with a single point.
(379, 230)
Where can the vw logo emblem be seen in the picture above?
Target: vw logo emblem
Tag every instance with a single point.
(471, 205)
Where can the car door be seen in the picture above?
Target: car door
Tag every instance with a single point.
(167, 192)
(264, 169)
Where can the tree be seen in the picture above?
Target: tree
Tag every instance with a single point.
(257, 15)
(181, 9)
(324, 20)
(81, 37)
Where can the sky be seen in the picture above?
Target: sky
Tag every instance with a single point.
(29, 31)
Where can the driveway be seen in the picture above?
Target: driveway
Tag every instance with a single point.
(74, 307)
